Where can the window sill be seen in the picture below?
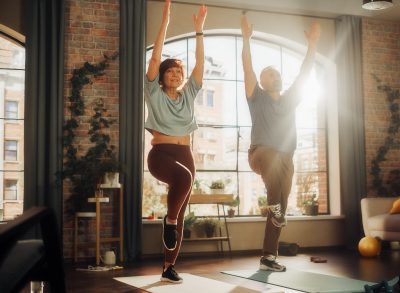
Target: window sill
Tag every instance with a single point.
(263, 219)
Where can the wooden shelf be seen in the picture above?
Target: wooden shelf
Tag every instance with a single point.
(205, 198)
(215, 198)
(222, 238)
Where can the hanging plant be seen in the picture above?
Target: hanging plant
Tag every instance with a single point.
(392, 185)
(86, 171)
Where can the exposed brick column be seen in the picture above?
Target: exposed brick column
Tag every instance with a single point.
(92, 30)
(381, 56)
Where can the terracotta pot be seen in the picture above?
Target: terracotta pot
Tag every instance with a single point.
(231, 213)
(311, 210)
(264, 211)
(187, 233)
(217, 191)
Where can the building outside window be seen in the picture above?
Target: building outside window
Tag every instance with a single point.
(210, 98)
(221, 143)
(12, 87)
(11, 110)
(10, 150)
(10, 190)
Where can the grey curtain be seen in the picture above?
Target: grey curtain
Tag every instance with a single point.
(132, 63)
(44, 104)
(351, 124)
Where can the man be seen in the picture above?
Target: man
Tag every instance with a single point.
(273, 135)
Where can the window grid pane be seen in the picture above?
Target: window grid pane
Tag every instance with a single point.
(220, 144)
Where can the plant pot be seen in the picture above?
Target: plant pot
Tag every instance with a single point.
(311, 210)
(111, 180)
(187, 233)
(231, 213)
(217, 191)
(264, 211)
(209, 231)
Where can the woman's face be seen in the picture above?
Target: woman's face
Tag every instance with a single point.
(173, 77)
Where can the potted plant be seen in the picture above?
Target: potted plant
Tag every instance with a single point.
(217, 186)
(85, 170)
(263, 205)
(197, 186)
(189, 221)
(232, 205)
(310, 205)
(208, 225)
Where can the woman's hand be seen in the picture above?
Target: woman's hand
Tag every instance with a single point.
(313, 35)
(198, 20)
(166, 10)
(247, 29)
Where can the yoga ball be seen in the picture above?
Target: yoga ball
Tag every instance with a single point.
(369, 246)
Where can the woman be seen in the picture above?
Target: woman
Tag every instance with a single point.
(171, 121)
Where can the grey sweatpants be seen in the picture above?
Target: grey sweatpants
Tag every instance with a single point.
(276, 170)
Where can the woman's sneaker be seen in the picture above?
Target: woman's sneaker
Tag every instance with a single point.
(268, 263)
(170, 275)
(169, 235)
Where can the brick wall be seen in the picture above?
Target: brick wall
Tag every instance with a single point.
(92, 30)
(381, 56)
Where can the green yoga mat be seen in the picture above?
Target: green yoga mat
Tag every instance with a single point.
(304, 281)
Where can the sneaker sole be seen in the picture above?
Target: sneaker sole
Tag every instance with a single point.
(171, 281)
(265, 268)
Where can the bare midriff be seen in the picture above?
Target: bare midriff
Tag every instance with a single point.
(160, 138)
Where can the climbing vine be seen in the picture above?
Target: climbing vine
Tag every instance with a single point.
(392, 185)
(86, 171)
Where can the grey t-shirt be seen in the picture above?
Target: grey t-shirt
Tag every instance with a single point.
(274, 122)
(170, 117)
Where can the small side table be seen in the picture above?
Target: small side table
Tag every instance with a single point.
(97, 216)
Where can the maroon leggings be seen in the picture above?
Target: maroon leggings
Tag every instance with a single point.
(174, 165)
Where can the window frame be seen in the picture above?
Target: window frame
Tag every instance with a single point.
(329, 138)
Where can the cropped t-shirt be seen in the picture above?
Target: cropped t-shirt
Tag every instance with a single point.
(170, 117)
(274, 122)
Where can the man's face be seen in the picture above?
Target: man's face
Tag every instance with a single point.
(270, 80)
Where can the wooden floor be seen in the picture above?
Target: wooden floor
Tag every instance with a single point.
(340, 262)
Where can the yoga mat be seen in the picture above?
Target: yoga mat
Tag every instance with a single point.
(303, 281)
(191, 284)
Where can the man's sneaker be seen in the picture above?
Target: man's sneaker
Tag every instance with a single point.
(170, 275)
(278, 219)
(268, 263)
(169, 235)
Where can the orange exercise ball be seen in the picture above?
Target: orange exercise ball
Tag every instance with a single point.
(369, 246)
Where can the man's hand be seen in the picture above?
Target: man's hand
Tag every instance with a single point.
(313, 35)
(198, 20)
(247, 30)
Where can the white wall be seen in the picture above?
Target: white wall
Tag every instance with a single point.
(249, 235)
(286, 26)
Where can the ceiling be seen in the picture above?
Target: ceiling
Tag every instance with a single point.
(321, 8)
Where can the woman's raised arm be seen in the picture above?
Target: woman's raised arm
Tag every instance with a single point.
(155, 60)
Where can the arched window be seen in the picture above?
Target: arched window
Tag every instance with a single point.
(220, 144)
(12, 85)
